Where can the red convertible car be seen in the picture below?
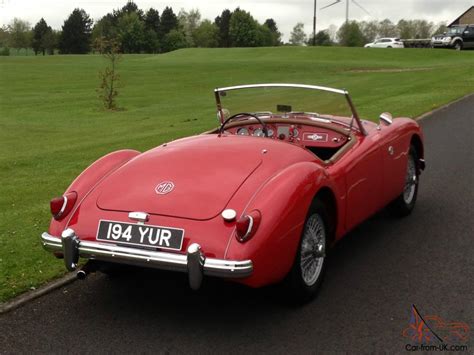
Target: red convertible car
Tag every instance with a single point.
(259, 200)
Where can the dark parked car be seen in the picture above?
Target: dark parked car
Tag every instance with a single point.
(457, 37)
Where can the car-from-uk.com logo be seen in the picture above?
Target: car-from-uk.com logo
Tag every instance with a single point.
(432, 333)
(164, 187)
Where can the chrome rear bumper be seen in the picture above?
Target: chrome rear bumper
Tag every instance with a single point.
(194, 262)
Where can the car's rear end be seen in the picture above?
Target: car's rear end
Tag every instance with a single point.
(397, 43)
(187, 206)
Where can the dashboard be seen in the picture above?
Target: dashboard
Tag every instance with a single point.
(305, 135)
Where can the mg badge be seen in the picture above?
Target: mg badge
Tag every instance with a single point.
(164, 188)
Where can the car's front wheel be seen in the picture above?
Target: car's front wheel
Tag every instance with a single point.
(307, 272)
(458, 45)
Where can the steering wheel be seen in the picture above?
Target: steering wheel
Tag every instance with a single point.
(264, 126)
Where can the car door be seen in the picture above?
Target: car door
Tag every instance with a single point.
(468, 37)
(395, 148)
(387, 43)
(364, 181)
(377, 44)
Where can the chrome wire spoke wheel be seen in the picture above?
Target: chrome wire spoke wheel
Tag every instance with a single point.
(312, 251)
(410, 181)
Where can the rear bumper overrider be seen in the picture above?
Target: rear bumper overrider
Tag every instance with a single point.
(193, 262)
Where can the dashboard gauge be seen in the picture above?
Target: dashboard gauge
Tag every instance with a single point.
(258, 133)
(295, 133)
(243, 131)
(270, 132)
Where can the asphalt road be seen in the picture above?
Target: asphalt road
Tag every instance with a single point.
(375, 274)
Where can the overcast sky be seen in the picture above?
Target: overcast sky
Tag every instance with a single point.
(285, 12)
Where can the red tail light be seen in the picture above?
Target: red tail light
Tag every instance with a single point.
(61, 206)
(247, 226)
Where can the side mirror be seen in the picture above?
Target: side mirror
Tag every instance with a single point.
(386, 118)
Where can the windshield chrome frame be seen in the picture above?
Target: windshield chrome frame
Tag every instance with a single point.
(355, 116)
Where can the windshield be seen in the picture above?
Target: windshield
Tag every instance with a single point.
(455, 30)
(282, 101)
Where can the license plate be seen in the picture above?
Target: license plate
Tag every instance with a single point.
(140, 235)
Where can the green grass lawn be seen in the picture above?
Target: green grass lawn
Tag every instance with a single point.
(52, 125)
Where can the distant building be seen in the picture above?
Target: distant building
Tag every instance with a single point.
(466, 18)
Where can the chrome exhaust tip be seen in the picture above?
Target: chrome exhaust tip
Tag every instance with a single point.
(81, 275)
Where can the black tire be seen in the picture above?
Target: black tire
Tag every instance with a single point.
(300, 288)
(458, 45)
(389, 47)
(404, 204)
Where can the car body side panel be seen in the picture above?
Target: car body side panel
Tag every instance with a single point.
(395, 148)
(361, 168)
(284, 203)
(88, 179)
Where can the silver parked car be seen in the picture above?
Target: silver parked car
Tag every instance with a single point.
(386, 43)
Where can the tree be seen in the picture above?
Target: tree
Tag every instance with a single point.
(423, 28)
(42, 36)
(109, 78)
(49, 42)
(151, 42)
(76, 33)
(350, 35)
(298, 36)
(223, 23)
(104, 28)
(4, 37)
(439, 29)
(152, 20)
(276, 35)
(387, 29)
(152, 27)
(415, 29)
(168, 22)
(174, 40)
(243, 29)
(322, 38)
(189, 22)
(264, 36)
(20, 35)
(129, 7)
(370, 30)
(206, 35)
(131, 33)
(406, 29)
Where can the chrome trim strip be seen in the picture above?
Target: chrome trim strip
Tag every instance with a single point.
(139, 216)
(63, 207)
(151, 259)
(249, 229)
(281, 85)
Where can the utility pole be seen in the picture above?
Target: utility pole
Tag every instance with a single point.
(347, 11)
(314, 24)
